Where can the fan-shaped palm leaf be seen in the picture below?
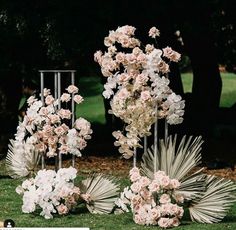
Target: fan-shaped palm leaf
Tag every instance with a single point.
(20, 162)
(215, 202)
(177, 163)
(103, 192)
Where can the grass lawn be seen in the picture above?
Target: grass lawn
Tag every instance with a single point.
(93, 109)
(228, 95)
(10, 204)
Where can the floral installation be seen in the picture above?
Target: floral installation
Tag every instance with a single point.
(152, 202)
(138, 85)
(45, 130)
(51, 191)
(55, 193)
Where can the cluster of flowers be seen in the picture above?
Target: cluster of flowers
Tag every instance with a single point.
(45, 127)
(138, 83)
(53, 192)
(152, 202)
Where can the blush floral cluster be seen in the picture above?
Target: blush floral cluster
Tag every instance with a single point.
(52, 192)
(138, 85)
(45, 127)
(152, 202)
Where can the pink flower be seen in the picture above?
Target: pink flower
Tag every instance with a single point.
(164, 181)
(82, 143)
(98, 56)
(64, 113)
(72, 89)
(136, 187)
(154, 32)
(62, 209)
(78, 99)
(46, 92)
(155, 212)
(59, 131)
(171, 54)
(47, 129)
(179, 198)
(108, 42)
(149, 48)
(163, 222)
(163, 67)
(123, 93)
(136, 199)
(145, 95)
(173, 209)
(40, 147)
(159, 174)
(120, 57)
(31, 100)
(49, 100)
(86, 197)
(52, 140)
(134, 170)
(144, 181)
(174, 184)
(43, 111)
(175, 222)
(54, 118)
(82, 124)
(165, 198)
(138, 219)
(76, 190)
(180, 212)
(65, 97)
(154, 186)
(134, 177)
(63, 149)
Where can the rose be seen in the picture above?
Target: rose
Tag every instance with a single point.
(54, 118)
(174, 184)
(134, 177)
(135, 187)
(49, 100)
(154, 32)
(52, 140)
(78, 99)
(163, 222)
(165, 198)
(59, 131)
(164, 181)
(72, 89)
(64, 113)
(65, 97)
(154, 186)
(63, 149)
(144, 181)
(62, 209)
(145, 95)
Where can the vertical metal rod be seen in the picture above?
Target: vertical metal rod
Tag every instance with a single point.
(155, 142)
(59, 107)
(56, 97)
(73, 112)
(145, 144)
(42, 99)
(135, 157)
(166, 131)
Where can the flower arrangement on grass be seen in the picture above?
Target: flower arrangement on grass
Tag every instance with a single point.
(153, 202)
(55, 193)
(138, 85)
(47, 130)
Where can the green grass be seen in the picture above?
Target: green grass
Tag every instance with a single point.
(92, 108)
(228, 95)
(10, 204)
(10, 208)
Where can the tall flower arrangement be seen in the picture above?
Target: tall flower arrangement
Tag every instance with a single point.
(138, 85)
(47, 131)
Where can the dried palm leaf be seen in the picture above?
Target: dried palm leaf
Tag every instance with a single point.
(103, 192)
(21, 161)
(215, 202)
(176, 163)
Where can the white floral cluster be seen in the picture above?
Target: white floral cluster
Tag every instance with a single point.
(138, 83)
(53, 192)
(45, 128)
(152, 202)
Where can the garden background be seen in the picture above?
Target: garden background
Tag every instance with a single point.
(65, 34)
